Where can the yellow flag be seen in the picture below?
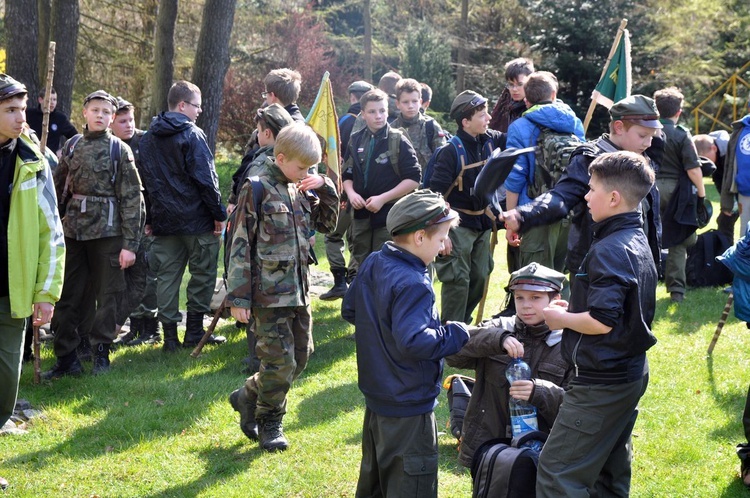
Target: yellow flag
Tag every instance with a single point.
(324, 121)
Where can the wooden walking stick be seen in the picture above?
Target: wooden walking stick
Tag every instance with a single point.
(210, 330)
(722, 321)
(493, 243)
(42, 146)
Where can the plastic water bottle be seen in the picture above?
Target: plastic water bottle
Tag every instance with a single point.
(522, 413)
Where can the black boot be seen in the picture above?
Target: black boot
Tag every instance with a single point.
(136, 329)
(84, 349)
(101, 359)
(149, 333)
(245, 406)
(339, 286)
(271, 435)
(171, 341)
(194, 331)
(65, 365)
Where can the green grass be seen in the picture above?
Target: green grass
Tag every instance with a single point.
(160, 425)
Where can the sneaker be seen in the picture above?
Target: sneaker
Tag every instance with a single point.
(246, 408)
(3, 484)
(272, 436)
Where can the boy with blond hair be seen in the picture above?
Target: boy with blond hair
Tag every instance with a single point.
(268, 275)
(400, 346)
(607, 331)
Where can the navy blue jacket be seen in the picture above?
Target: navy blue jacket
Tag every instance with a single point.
(616, 284)
(400, 341)
(178, 173)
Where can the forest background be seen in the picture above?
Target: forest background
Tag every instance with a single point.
(136, 49)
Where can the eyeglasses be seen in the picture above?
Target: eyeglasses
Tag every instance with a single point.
(197, 106)
(514, 86)
(264, 94)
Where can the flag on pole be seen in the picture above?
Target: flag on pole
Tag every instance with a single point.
(616, 80)
(323, 120)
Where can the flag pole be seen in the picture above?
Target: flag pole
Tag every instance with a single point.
(590, 112)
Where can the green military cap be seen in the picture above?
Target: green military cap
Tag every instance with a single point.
(122, 104)
(10, 87)
(275, 116)
(536, 277)
(102, 95)
(466, 101)
(360, 86)
(639, 109)
(418, 210)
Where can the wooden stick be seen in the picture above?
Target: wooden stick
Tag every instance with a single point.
(47, 93)
(37, 355)
(210, 330)
(590, 112)
(722, 321)
(493, 243)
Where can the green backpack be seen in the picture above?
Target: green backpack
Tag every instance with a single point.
(553, 151)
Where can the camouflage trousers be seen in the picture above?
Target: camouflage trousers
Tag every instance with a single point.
(283, 344)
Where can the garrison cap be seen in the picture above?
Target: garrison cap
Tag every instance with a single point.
(122, 104)
(639, 109)
(10, 87)
(275, 116)
(535, 277)
(360, 86)
(418, 210)
(464, 102)
(102, 95)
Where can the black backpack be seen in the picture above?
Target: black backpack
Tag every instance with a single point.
(459, 388)
(702, 269)
(502, 468)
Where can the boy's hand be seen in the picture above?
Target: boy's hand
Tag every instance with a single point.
(555, 315)
(513, 239)
(219, 227)
(559, 302)
(311, 183)
(522, 389)
(127, 259)
(147, 230)
(374, 203)
(512, 220)
(447, 247)
(357, 201)
(42, 313)
(242, 315)
(230, 208)
(513, 346)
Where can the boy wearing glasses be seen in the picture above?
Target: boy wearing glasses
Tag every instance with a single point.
(185, 213)
(283, 87)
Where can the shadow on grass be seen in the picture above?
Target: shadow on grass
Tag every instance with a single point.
(222, 463)
(701, 308)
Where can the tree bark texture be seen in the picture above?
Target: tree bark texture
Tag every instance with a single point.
(212, 62)
(22, 32)
(166, 19)
(367, 15)
(65, 16)
(45, 8)
(462, 54)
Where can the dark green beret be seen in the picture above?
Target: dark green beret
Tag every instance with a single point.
(418, 210)
(638, 109)
(275, 116)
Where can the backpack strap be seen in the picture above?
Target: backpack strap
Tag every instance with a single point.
(461, 166)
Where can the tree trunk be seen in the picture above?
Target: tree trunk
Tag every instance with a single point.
(65, 16)
(368, 40)
(22, 31)
(462, 54)
(44, 7)
(212, 62)
(166, 19)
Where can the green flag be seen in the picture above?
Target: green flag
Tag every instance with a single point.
(616, 81)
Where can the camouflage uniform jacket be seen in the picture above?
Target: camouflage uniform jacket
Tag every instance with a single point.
(416, 131)
(98, 207)
(268, 260)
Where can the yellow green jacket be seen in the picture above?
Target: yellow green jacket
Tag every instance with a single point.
(36, 245)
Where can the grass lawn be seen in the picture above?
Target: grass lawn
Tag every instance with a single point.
(160, 425)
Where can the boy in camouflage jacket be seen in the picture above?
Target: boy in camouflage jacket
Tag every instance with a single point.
(268, 275)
